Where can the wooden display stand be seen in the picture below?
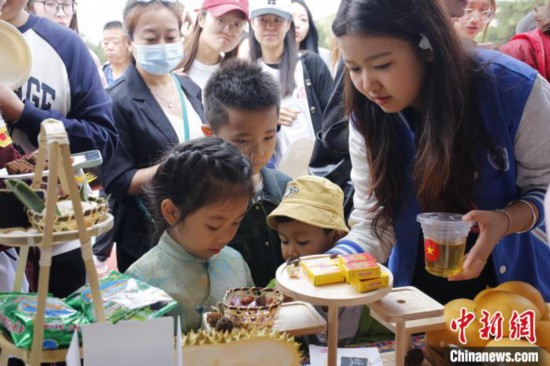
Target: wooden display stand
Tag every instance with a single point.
(333, 296)
(405, 311)
(53, 140)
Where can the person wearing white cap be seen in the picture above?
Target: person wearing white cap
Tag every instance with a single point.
(215, 37)
(305, 80)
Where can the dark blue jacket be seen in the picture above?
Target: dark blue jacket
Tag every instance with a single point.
(64, 84)
(502, 94)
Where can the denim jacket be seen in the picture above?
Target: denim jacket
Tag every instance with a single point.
(258, 244)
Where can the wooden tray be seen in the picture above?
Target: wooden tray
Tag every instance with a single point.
(23, 238)
(406, 303)
(297, 318)
(338, 294)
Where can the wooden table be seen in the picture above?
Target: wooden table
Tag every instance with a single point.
(333, 296)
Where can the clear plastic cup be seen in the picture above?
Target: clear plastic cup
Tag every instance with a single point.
(445, 237)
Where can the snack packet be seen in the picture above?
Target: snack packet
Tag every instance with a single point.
(124, 298)
(17, 316)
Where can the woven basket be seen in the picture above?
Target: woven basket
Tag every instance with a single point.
(252, 315)
(68, 222)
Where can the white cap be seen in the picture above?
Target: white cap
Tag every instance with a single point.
(281, 8)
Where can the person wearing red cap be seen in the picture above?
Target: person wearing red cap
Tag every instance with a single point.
(215, 37)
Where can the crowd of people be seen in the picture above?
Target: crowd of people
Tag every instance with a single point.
(417, 114)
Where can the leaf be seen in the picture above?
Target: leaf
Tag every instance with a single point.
(26, 195)
(83, 193)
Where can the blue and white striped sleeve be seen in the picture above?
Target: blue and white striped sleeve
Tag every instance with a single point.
(532, 151)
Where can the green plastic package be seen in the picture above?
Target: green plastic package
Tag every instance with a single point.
(17, 314)
(124, 298)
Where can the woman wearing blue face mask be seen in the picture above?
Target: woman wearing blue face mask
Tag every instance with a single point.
(154, 110)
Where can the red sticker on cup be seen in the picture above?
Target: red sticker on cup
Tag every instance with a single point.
(431, 250)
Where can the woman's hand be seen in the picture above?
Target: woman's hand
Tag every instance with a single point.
(493, 225)
(287, 116)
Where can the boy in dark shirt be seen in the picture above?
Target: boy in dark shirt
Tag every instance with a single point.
(242, 107)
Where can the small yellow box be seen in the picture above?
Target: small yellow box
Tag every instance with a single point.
(322, 271)
(358, 266)
(371, 284)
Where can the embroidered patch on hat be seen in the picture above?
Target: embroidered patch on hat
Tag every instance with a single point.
(291, 191)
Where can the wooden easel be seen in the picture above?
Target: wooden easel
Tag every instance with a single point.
(53, 140)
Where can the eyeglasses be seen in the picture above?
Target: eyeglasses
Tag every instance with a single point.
(52, 7)
(223, 25)
(152, 1)
(485, 16)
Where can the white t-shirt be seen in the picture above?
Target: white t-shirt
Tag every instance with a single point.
(194, 121)
(302, 126)
(200, 73)
(325, 55)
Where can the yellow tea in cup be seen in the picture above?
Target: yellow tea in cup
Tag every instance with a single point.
(444, 259)
(445, 237)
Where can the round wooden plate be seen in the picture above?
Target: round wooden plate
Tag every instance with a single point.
(15, 55)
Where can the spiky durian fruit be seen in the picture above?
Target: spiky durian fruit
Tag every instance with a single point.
(241, 347)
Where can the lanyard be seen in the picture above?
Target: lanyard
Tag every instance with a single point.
(183, 109)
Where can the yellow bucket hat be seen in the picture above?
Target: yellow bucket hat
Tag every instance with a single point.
(313, 200)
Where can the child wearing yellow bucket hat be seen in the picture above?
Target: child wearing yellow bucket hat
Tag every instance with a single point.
(310, 217)
(309, 220)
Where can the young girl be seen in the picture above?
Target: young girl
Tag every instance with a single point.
(306, 82)
(198, 197)
(215, 38)
(477, 17)
(154, 110)
(434, 128)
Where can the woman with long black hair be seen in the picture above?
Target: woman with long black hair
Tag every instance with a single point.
(436, 128)
(305, 80)
(307, 37)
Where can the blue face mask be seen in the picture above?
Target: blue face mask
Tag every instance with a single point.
(158, 59)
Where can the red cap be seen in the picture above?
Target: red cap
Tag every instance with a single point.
(220, 7)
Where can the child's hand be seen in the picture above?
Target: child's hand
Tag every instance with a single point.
(11, 107)
(287, 116)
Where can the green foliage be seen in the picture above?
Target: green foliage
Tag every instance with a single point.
(501, 29)
(324, 28)
(509, 13)
(96, 48)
